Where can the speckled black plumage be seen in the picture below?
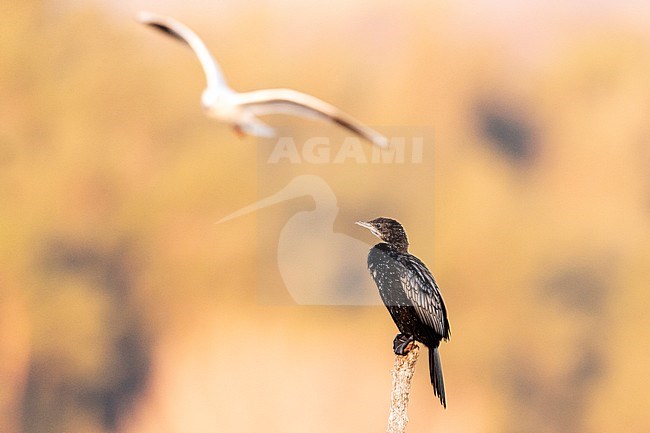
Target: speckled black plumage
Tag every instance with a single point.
(410, 294)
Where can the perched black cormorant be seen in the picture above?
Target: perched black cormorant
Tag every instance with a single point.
(411, 295)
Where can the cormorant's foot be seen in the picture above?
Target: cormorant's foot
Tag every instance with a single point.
(402, 344)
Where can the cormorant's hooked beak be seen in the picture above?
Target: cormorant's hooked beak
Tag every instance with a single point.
(369, 226)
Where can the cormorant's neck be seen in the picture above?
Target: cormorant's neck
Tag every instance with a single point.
(400, 247)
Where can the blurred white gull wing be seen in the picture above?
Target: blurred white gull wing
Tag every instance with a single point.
(287, 101)
(241, 109)
(216, 83)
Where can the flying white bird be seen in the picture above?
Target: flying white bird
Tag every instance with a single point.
(241, 109)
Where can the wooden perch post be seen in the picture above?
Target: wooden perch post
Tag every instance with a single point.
(399, 396)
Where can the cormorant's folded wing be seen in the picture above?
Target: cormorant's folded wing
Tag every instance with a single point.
(423, 292)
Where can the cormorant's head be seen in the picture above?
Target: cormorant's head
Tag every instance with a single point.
(388, 230)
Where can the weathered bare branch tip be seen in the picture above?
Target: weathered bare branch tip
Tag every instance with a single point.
(399, 397)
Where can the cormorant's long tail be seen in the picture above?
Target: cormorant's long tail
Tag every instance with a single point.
(435, 370)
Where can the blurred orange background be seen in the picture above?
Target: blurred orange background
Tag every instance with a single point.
(124, 308)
